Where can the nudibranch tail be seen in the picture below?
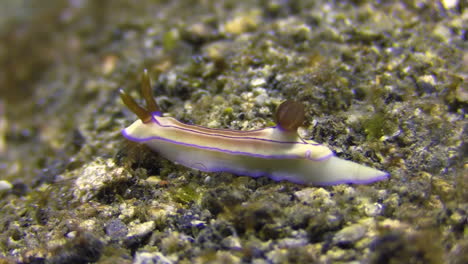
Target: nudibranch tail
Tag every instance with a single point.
(277, 152)
(338, 171)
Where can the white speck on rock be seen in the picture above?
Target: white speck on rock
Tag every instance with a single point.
(140, 230)
(5, 186)
(373, 209)
(151, 258)
(257, 82)
(232, 243)
(448, 4)
(315, 196)
(430, 79)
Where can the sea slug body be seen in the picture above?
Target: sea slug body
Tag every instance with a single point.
(277, 152)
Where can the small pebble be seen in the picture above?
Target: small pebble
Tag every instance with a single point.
(151, 257)
(116, 229)
(448, 4)
(5, 186)
(140, 230)
(350, 234)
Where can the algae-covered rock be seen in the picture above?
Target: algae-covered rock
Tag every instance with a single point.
(98, 175)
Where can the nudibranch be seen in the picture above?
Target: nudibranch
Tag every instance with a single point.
(277, 152)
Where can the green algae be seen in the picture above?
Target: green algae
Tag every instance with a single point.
(379, 125)
(186, 195)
